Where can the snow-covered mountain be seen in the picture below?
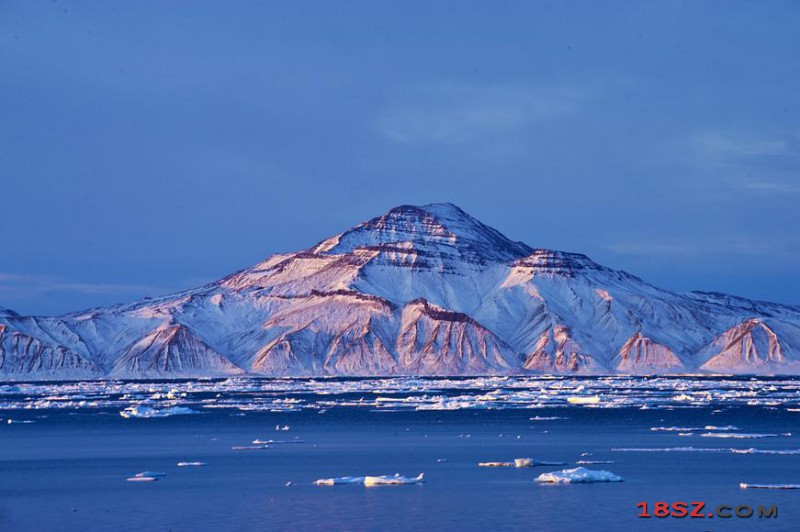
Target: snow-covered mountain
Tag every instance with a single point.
(417, 291)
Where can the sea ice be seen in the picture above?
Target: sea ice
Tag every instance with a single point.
(495, 464)
(577, 475)
(769, 486)
(369, 481)
(191, 464)
(737, 436)
(338, 480)
(583, 400)
(141, 479)
(150, 474)
(142, 411)
(765, 451)
(393, 480)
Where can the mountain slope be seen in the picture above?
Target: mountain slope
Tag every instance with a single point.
(417, 290)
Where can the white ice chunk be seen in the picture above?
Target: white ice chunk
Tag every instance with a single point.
(141, 479)
(769, 486)
(583, 400)
(737, 436)
(765, 451)
(150, 474)
(142, 411)
(577, 475)
(393, 480)
(383, 480)
(191, 464)
(339, 480)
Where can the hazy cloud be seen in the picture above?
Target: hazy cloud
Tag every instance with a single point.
(449, 113)
(723, 246)
(11, 283)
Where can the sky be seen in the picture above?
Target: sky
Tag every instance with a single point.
(150, 147)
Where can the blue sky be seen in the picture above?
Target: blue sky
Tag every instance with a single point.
(151, 147)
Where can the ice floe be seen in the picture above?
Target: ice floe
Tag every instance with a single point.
(736, 435)
(142, 411)
(520, 462)
(192, 464)
(141, 479)
(577, 475)
(369, 481)
(338, 480)
(745, 486)
(765, 451)
(692, 429)
(583, 400)
(387, 480)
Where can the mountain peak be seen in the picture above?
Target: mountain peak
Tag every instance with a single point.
(438, 229)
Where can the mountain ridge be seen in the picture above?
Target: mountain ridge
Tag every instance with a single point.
(425, 290)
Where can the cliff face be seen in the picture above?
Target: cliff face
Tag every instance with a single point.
(419, 290)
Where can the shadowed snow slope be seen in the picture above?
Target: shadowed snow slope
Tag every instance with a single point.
(419, 290)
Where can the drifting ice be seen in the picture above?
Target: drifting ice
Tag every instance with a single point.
(519, 462)
(769, 486)
(147, 412)
(577, 475)
(384, 480)
(584, 400)
(394, 480)
(150, 474)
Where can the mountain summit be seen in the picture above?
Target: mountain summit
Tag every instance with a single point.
(425, 290)
(439, 229)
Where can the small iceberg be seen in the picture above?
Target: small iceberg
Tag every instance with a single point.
(141, 479)
(192, 464)
(141, 411)
(369, 481)
(20, 422)
(577, 475)
(744, 486)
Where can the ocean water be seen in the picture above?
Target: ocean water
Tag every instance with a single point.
(67, 470)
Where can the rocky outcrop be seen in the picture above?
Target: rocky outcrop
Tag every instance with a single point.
(436, 341)
(640, 354)
(556, 352)
(25, 357)
(750, 346)
(171, 351)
